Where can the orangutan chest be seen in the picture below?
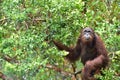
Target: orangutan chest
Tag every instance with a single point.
(87, 54)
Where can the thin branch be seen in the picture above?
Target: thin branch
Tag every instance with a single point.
(3, 19)
(55, 68)
(78, 72)
(10, 59)
(37, 19)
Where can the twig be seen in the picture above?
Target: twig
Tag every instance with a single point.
(10, 59)
(3, 19)
(55, 68)
(38, 19)
(78, 72)
(43, 20)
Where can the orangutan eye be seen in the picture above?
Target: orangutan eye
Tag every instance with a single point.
(88, 31)
(85, 31)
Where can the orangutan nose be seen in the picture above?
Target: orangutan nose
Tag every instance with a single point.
(87, 36)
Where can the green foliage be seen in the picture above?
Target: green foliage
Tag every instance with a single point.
(27, 28)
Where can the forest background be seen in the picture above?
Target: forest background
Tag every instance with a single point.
(27, 28)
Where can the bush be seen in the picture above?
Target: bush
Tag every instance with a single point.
(27, 29)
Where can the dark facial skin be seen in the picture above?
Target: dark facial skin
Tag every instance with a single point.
(87, 35)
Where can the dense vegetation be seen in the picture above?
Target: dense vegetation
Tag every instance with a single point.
(27, 28)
